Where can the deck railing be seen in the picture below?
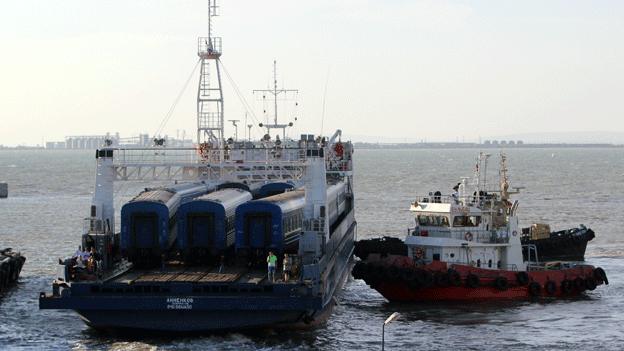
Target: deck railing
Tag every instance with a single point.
(477, 235)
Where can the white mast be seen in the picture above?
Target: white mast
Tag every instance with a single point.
(275, 92)
(209, 93)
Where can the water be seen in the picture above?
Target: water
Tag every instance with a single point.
(49, 194)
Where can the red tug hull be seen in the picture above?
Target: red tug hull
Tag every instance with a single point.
(398, 279)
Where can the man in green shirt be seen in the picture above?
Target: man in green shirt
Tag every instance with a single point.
(272, 263)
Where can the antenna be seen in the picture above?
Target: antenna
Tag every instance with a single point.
(234, 121)
(275, 92)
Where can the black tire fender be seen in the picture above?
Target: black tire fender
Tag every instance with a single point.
(501, 283)
(535, 289)
(522, 278)
(550, 287)
(472, 280)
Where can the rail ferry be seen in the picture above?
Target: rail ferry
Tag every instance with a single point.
(466, 246)
(183, 260)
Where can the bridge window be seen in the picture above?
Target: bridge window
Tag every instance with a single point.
(432, 221)
(466, 221)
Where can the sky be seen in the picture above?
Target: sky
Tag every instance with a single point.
(411, 70)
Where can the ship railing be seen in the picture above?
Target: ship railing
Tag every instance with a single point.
(337, 166)
(477, 235)
(212, 157)
(470, 200)
(209, 46)
(93, 225)
(532, 256)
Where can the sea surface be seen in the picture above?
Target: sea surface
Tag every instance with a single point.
(49, 194)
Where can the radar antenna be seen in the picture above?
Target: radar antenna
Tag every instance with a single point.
(275, 92)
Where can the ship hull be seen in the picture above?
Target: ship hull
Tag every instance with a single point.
(11, 264)
(399, 280)
(561, 246)
(116, 306)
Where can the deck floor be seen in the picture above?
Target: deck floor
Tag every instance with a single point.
(206, 274)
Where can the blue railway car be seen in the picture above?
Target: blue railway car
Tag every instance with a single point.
(206, 224)
(148, 221)
(273, 223)
(271, 189)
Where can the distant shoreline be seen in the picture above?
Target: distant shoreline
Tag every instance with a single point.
(478, 146)
(440, 145)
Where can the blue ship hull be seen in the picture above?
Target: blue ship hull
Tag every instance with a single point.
(213, 306)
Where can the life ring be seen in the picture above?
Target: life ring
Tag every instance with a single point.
(419, 253)
(339, 149)
(203, 150)
(514, 233)
(468, 236)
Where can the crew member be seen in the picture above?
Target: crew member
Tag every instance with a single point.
(287, 267)
(271, 263)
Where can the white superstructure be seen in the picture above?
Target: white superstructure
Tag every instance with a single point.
(471, 227)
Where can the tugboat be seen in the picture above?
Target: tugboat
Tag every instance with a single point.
(192, 255)
(11, 264)
(467, 246)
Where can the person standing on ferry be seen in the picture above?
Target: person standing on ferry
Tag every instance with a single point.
(271, 263)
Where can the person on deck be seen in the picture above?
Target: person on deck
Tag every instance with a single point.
(287, 268)
(271, 263)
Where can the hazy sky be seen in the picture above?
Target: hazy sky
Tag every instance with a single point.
(435, 70)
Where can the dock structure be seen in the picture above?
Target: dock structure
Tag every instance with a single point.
(4, 190)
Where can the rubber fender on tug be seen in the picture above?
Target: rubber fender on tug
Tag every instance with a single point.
(394, 274)
(413, 283)
(378, 272)
(501, 283)
(472, 280)
(442, 279)
(566, 286)
(534, 289)
(522, 278)
(424, 278)
(579, 284)
(601, 276)
(407, 274)
(551, 287)
(454, 277)
(590, 283)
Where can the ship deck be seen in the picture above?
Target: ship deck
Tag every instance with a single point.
(175, 273)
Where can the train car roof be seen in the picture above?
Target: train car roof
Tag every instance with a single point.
(228, 197)
(154, 195)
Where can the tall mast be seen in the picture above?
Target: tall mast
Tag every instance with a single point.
(209, 92)
(275, 92)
